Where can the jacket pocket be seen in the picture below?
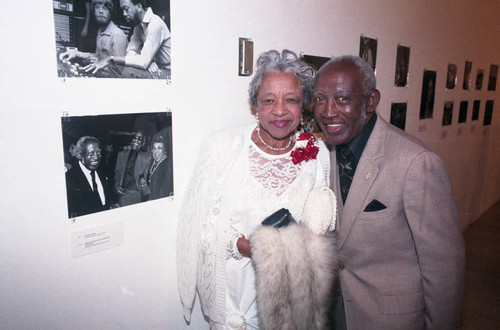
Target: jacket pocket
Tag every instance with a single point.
(401, 303)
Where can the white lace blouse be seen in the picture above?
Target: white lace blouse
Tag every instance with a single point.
(234, 187)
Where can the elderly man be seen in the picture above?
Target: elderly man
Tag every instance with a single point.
(131, 171)
(148, 53)
(399, 234)
(87, 186)
(111, 41)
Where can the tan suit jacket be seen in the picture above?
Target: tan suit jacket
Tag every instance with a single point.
(402, 266)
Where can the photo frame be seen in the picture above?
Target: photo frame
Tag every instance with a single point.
(402, 65)
(451, 76)
(462, 113)
(115, 161)
(398, 115)
(488, 112)
(475, 109)
(95, 40)
(492, 79)
(479, 79)
(428, 94)
(467, 75)
(368, 51)
(447, 113)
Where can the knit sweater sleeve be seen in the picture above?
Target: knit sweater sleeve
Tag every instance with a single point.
(195, 206)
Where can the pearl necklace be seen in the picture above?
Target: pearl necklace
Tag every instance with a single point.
(273, 148)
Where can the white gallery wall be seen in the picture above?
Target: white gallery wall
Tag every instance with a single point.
(133, 286)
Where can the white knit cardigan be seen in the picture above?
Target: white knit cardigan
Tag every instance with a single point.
(203, 268)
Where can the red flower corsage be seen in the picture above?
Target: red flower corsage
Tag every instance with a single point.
(305, 148)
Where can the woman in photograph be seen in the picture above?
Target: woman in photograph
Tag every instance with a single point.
(159, 181)
(242, 176)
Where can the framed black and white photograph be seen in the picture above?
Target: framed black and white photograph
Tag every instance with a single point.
(398, 114)
(475, 109)
(451, 76)
(488, 112)
(479, 79)
(116, 160)
(107, 38)
(428, 94)
(462, 113)
(368, 50)
(447, 113)
(308, 122)
(402, 64)
(492, 79)
(467, 75)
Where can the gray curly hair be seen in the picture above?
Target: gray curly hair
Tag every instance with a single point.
(287, 61)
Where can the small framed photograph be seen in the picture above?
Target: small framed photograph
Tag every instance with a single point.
(315, 61)
(451, 76)
(488, 112)
(479, 79)
(467, 74)
(475, 109)
(492, 80)
(447, 113)
(462, 114)
(116, 160)
(428, 93)
(97, 39)
(368, 51)
(398, 114)
(402, 64)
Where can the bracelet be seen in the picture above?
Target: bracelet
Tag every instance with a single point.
(232, 247)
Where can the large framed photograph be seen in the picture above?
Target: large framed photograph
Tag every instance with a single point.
(467, 75)
(116, 160)
(428, 93)
(451, 76)
(398, 115)
(109, 38)
(447, 113)
(368, 51)
(492, 79)
(402, 64)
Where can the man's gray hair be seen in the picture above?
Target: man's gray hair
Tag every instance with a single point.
(76, 150)
(287, 61)
(368, 80)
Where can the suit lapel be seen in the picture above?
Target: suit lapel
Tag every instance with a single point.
(366, 173)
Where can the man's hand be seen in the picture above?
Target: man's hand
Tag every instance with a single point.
(96, 66)
(69, 55)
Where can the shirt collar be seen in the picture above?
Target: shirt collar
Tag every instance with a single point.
(107, 31)
(147, 16)
(357, 145)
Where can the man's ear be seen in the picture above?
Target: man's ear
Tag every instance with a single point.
(373, 100)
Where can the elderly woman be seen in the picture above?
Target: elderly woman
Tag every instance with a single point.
(159, 181)
(242, 176)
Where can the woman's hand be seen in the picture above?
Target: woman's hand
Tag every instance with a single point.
(244, 247)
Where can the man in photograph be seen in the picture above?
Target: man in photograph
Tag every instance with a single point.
(131, 171)
(110, 41)
(87, 186)
(148, 53)
(400, 238)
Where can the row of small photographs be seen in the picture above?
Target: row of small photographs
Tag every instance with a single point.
(398, 113)
(368, 51)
